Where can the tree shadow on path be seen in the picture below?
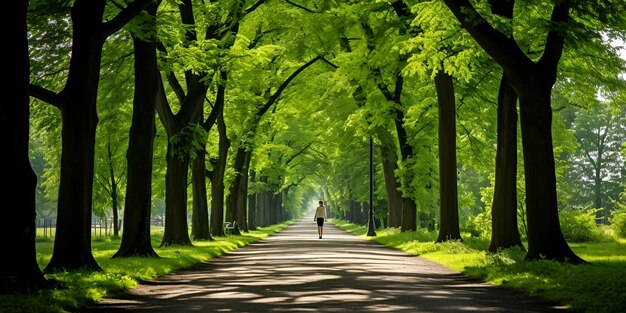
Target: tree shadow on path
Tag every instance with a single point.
(294, 271)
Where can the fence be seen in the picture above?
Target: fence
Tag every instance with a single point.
(46, 227)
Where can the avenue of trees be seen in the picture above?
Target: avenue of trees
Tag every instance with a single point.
(487, 116)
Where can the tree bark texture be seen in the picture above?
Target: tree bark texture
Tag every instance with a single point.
(138, 204)
(200, 210)
(545, 239)
(176, 228)
(504, 228)
(448, 198)
(72, 248)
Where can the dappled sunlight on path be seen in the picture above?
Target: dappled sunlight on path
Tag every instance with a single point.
(294, 271)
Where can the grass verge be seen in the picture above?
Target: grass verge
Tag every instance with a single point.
(83, 288)
(599, 286)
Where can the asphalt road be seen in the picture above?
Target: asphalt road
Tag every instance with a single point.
(295, 271)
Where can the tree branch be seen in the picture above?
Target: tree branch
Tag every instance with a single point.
(215, 111)
(45, 95)
(299, 153)
(302, 7)
(555, 41)
(253, 7)
(502, 49)
(171, 77)
(133, 9)
(163, 107)
(282, 86)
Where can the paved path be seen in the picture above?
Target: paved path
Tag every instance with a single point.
(294, 271)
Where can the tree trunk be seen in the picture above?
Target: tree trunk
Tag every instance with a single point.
(217, 180)
(545, 239)
(409, 209)
(504, 231)
(260, 208)
(252, 205)
(234, 198)
(19, 270)
(176, 229)
(597, 188)
(114, 206)
(72, 244)
(394, 197)
(200, 210)
(448, 198)
(138, 204)
(242, 194)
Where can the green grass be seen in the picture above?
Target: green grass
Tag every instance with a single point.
(599, 286)
(82, 288)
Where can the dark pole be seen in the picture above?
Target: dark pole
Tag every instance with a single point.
(371, 229)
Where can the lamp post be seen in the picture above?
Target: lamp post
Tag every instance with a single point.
(371, 229)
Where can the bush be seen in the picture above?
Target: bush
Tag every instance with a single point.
(618, 222)
(479, 226)
(579, 225)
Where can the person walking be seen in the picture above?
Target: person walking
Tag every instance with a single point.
(320, 214)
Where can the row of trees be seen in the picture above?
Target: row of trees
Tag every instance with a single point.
(273, 100)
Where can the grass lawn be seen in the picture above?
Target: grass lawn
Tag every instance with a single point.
(599, 286)
(81, 288)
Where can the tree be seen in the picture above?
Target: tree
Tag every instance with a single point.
(448, 196)
(533, 81)
(19, 270)
(137, 206)
(504, 231)
(77, 102)
(504, 228)
(597, 164)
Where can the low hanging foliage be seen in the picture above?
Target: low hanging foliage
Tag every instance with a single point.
(189, 141)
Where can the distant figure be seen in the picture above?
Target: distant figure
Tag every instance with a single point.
(320, 214)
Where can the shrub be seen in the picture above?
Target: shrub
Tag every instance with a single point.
(579, 225)
(479, 225)
(618, 222)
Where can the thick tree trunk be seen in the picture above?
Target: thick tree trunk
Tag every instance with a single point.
(19, 270)
(545, 239)
(200, 210)
(394, 197)
(448, 198)
(504, 231)
(217, 180)
(138, 204)
(176, 229)
(72, 244)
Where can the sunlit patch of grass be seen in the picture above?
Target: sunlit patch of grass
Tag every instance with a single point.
(599, 286)
(119, 274)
